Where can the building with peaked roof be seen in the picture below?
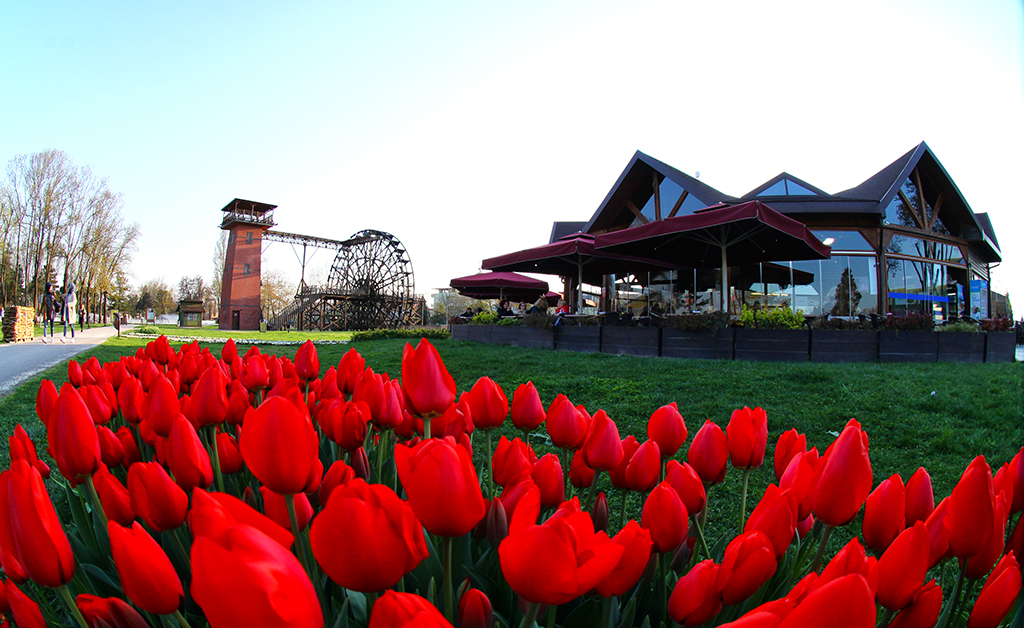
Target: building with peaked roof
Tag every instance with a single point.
(904, 240)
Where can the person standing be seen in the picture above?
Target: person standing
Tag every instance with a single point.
(50, 306)
(68, 311)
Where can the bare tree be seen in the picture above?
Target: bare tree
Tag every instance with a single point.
(220, 252)
(157, 295)
(276, 292)
(191, 288)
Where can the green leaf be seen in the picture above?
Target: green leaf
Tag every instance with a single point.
(104, 584)
(358, 602)
(627, 615)
(585, 615)
(342, 621)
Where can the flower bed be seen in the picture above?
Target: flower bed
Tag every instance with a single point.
(277, 493)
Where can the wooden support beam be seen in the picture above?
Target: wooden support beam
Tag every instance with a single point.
(657, 196)
(912, 209)
(636, 212)
(679, 203)
(935, 213)
(925, 218)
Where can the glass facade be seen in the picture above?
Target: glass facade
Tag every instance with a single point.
(669, 191)
(844, 240)
(785, 187)
(918, 286)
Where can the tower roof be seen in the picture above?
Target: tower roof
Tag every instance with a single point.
(241, 211)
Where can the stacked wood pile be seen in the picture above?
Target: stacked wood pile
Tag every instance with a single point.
(18, 324)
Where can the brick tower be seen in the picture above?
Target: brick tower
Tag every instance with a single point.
(245, 222)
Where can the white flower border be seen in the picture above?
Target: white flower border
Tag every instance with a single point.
(238, 341)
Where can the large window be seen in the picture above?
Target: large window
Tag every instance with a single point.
(918, 286)
(845, 285)
(670, 192)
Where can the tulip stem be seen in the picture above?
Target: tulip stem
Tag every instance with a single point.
(96, 503)
(700, 536)
(886, 618)
(743, 500)
(181, 619)
(300, 549)
(622, 511)
(530, 618)
(490, 465)
(449, 594)
(216, 459)
(66, 596)
(606, 612)
(426, 429)
(552, 615)
(592, 493)
(825, 533)
(948, 611)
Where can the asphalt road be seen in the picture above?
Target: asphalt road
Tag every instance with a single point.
(20, 361)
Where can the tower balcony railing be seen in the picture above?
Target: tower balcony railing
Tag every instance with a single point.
(255, 219)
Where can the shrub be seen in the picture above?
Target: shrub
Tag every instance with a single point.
(823, 322)
(712, 321)
(486, 318)
(959, 326)
(912, 321)
(432, 333)
(537, 319)
(780, 318)
(507, 322)
(996, 324)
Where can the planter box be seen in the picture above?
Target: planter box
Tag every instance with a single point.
(472, 333)
(1000, 346)
(851, 345)
(523, 336)
(773, 345)
(961, 346)
(908, 346)
(630, 340)
(697, 345)
(584, 339)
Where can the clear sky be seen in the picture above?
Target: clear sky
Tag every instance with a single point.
(466, 128)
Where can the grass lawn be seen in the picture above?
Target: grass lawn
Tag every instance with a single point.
(270, 336)
(935, 415)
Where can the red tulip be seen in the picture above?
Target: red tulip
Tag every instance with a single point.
(920, 501)
(128, 447)
(111, 451)
(709, 453)
(355, 513)
(748, 563)
(603, 448)
(230, 455)
(275, 507)
(209, 397)
(747, 437)
(25, 611)
(22, 448)
(370, 390)
(113, 497)
(238, 404)
(254, 375)
(339, 473)
(429, 389)
(267, 586)
(850, 560)
(980, 564)
(844, 479)
(667, 428)
(75, 374)
(790, 444)
(307, 364)
(46, 400)
(527, 410)
(442, 485)
(161, 407)
(279, 446)
(695, 600)
(511, 457)
(39, 542)
(665, 516)
(644, 470)
(580, 475)
(72, 437)
(146, 574)
(618, 474)
(345, 423)
(970, 512)
(548, 476)
(131, 398)
(488, 403)
(475, 610)
(923, 610)
(349, 368)
(688, 485)
(515, 491)
(93, 608)
(884, 516)
(938, 533)
(213, 513)
(636, 544)
(98, 404)
(848, 599)
(187, 459)
(405, 610)
(557, 561)
(1017, 469)
(155, 497)
(902, 568)
(1004, 482)
(1015, 542)
(566, 425)
(997, 595)
(775, 515)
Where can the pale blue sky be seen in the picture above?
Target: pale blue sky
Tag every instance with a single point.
(466, 128)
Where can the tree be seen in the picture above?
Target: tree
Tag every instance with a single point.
(847, 295)
(220, 252)
(160, 297)
(191, 288)
(276, 292)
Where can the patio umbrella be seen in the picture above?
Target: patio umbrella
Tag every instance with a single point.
(500, 286)
(574, 256)
(719, 236)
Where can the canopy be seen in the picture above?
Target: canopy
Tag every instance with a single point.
(719, 236)
(500, 286)
(574, 256)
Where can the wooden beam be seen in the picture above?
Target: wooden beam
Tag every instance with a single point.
(679, 203)
(657, 196)
(910, 207)
(636, 212)
(935, 213)
(925, 218)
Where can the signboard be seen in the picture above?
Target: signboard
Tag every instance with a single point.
(151, 316)
(979, 298)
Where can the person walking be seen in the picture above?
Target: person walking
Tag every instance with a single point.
(68, 311)
(50, 306)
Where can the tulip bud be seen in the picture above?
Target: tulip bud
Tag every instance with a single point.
(360, 464)
(497, 523)
(475, 610)
(709, 453)
(600, 513)
(527, 409)
(667, 428)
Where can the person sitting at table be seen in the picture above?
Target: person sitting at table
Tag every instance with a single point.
(521, 310)
(540, 307)
(468, 313)
(503, 309)
(563, 308)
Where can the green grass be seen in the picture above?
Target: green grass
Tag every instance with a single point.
(935, 415)
(213, 332)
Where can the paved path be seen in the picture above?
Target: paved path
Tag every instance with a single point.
(20, 361)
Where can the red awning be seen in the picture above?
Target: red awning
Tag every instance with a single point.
(500, 285)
